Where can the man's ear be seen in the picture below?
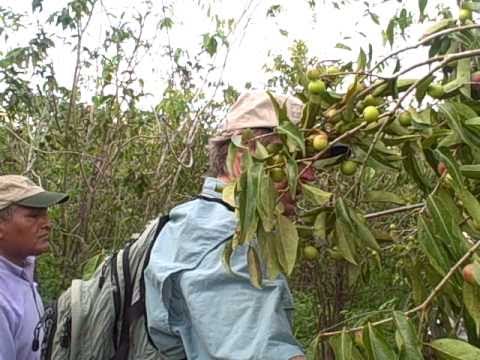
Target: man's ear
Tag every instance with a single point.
(2, 227)
(237, 164)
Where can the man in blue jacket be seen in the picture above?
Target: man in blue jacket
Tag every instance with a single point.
(24, 233)
(196, 309)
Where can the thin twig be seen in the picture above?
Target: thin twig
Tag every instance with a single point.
(425, 41)
(394, 210)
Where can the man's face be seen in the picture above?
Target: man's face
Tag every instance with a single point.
(25, 233)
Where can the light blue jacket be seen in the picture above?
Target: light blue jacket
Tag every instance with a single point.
(198, 310)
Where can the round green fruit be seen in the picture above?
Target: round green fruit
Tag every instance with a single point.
(370, 100)
(276, 160)
(464, 15)
(313, 74)
(348, 167)
(278, 174)
(333, 70)
(274, 148)
(405, 119)
(436, 91)
(371, 114)
(316, 87)
(320, 142)
(311, 253)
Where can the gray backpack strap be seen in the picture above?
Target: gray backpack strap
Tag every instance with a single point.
(132, 312)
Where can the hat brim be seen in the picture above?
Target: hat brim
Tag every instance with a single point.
(43, 200)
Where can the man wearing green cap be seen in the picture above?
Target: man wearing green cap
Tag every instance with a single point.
(24, 234)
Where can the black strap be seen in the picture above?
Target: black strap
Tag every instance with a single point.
(216, 200)
(117, 301)
(124, 341)
(140, 305)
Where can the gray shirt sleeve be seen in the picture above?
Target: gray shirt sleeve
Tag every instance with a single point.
(7, 343)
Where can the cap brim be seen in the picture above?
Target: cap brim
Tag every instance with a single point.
(43, 200)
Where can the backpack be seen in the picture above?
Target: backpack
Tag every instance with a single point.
(104, 318)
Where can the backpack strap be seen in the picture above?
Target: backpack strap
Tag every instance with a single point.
(117, 300)
(131, 313)
(124, 340)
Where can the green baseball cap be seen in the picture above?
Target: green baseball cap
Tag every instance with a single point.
(20, 190)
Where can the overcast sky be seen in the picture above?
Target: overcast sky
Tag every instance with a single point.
(255, 41)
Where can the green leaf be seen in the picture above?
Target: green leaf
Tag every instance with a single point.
(422, 87)
(445, 220)
(422, 118)
(377, 346)
(254, 267)
(464, 75)
(166, 23)
(228, 193)
(389, 33)
(412, 166)
(456, 114)
(342, 46)
(342, 346)
(267, 242)
(316, 195)
(261, 153)
(37, 4)
(473, 121)
(292, 174)
(361, 61)
(471, 299)
(383, 196)
(320, 226)
(248, 199)
(470, 171)
(439, 26)
(345, 242)
(470, 203)
(210, 44)
(434, 252)
(287, 243)
(453, 349)
(295, 139)
(411, 347)
(231, 156)
(363, 232)
(422, 4)
(266, 201)
(472, 5)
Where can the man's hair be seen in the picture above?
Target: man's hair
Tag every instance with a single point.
(7, 213)
(218, 152)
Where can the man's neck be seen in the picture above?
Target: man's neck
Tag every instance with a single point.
(17, 260)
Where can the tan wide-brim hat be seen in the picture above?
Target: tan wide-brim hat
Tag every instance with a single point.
(254, 109)
(20, 190)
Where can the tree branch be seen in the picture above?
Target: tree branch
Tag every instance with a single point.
(423, 305)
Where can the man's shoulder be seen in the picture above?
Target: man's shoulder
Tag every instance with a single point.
(201, 208)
